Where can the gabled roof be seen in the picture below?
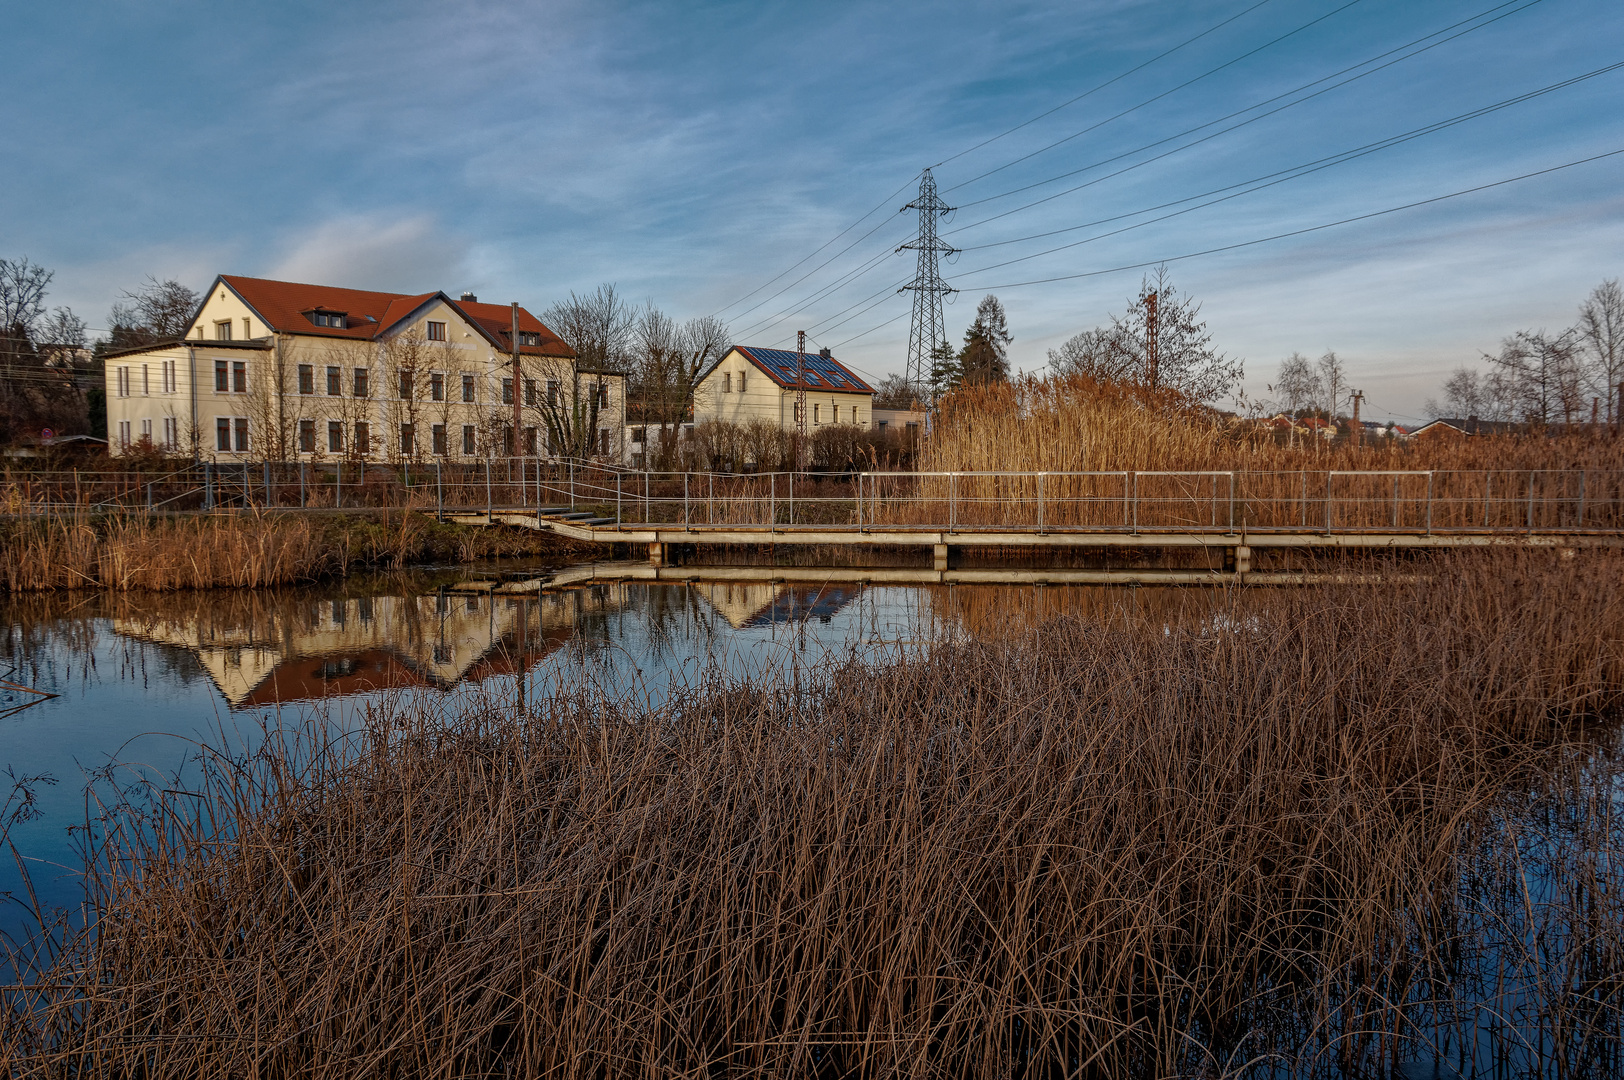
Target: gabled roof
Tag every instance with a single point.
(1471, 425)
(780, 365)
(282, 305)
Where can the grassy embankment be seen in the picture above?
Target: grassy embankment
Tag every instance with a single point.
(1319, 832)
(242, 550)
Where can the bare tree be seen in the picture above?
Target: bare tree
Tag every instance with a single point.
(597, 326)
(1106, 354)
(1464, 396)
(157, 311)
(1601, 336)
(1297, 384)
(1331, 385)
(895, 392)
(1542, 374)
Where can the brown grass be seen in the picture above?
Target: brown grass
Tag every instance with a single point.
(1139, 845)
(246, 550)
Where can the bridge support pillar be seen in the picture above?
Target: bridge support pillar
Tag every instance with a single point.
(939, 562)
(656, 554)
(1243, 559)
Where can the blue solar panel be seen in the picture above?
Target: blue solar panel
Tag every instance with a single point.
(821, 370)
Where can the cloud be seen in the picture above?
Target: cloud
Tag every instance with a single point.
(411, 254)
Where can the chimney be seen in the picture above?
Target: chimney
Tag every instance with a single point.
(469, 298)
(825, 354)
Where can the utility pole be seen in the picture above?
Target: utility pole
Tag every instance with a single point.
(929, 327)
(800, 399)
(1150, 341)
(1358, 428)
(518, 386)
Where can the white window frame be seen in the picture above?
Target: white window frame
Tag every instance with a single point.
(124, 434)
(171, 433)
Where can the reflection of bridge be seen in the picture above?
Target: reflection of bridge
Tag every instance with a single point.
(1234, 514)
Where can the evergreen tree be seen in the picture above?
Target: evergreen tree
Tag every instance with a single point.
(985, 356)
(945, 374)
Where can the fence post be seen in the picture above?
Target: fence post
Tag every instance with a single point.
(570, 464)
(1232, 503)
(617, 498)
(710, 500)
(953, 502)
(247, 488)
(338, 483)
(1303, 475)
(858, 487)
(792, 496)
(1327, 502)
(1429, 502)
(685, 523)
(1531, 475)
(1581, 521)
(1133, 506)
(488, 516)
(301, 485)
(208, 484)
(269, 498)
(1488, 489)
(439, 492)
(772, 502)
(149, 498)
(1040, 504)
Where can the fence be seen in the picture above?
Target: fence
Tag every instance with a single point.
(1127, 501)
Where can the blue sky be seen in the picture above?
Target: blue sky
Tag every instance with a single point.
(690, 153)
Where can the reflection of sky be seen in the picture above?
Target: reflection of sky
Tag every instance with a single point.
(148, 703)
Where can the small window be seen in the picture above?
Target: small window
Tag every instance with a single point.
(727, 383)
(530, 441)
(741, 381)
(603, 395)
(507, 391)
(529, 337)
(307, 379)
(240, 426)
(603, 441)
(246, 327)
(222, 378)
(406, 438)
(222, 330)
(815, 414)
(468, 440)
(239, 376)
(468, 389)
(363, 438)
(222, 433)
(335, 436)
(530, 392)
(171, 433)
(146, 383)
(437, 386)
(438, 433)
(360, 382)
(334, 382)
(408, 378)
(436, 330)
(307, 436)
(552, 391)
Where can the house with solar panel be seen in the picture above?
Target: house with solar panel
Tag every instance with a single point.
(749, 383)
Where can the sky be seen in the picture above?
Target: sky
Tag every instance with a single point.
(702, 157)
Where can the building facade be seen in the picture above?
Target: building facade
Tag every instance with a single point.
(272, 370)
(749, 383)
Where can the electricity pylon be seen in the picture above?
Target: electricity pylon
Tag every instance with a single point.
(929, 327)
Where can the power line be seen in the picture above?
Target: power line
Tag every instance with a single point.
(1101, 86)
(1240, 112)
(1164, 93)
(1310, 229)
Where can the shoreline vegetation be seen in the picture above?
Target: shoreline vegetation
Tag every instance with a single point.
(252, 549)
(1297, 833)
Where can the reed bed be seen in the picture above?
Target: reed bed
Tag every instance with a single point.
(1288, 834)
(238, 551)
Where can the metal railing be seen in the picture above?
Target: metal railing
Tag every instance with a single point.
(1149, 502)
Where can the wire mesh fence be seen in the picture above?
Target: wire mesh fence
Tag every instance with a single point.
(1376, 501)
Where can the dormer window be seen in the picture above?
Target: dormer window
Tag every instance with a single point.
(323, 317)
(529, 337)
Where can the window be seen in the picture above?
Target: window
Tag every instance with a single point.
(222, 330)
(307, 436)
(815, 413)
(239, 376)
(406, 438)
(124, 434)
(335, 386)
(468, 440)
(727, 383)
(335, 319)
(603, 395)
(307, 379)
(437, 386)
(222, 377)
(507, 391)
(552, 391)
(146, 384)
(552, 441)
(468, 388)
(246, 327)
(171, 433)
(335, 436)
(741, 382)
(222, 433)
(169, 376)
(146, 431)
(408, 377)
(530, 441)
(603, 441)
(797, 412)
(639, 435)
(436, 331)
(239, 424)
(123, 382)
(529, 337)
(359, 384)
(438, 434)
(530, 391)
(363, 438)
(507, 440)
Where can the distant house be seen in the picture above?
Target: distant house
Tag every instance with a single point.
(749, 383)
(279, 370)
(1453, 427)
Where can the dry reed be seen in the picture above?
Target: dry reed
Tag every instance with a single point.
(1235, 842)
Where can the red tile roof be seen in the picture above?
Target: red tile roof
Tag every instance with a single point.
(283, 304)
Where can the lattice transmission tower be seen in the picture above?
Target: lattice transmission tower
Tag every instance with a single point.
(929, 327)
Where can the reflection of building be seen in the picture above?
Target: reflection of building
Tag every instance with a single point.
(302, 650)
(752, 604)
